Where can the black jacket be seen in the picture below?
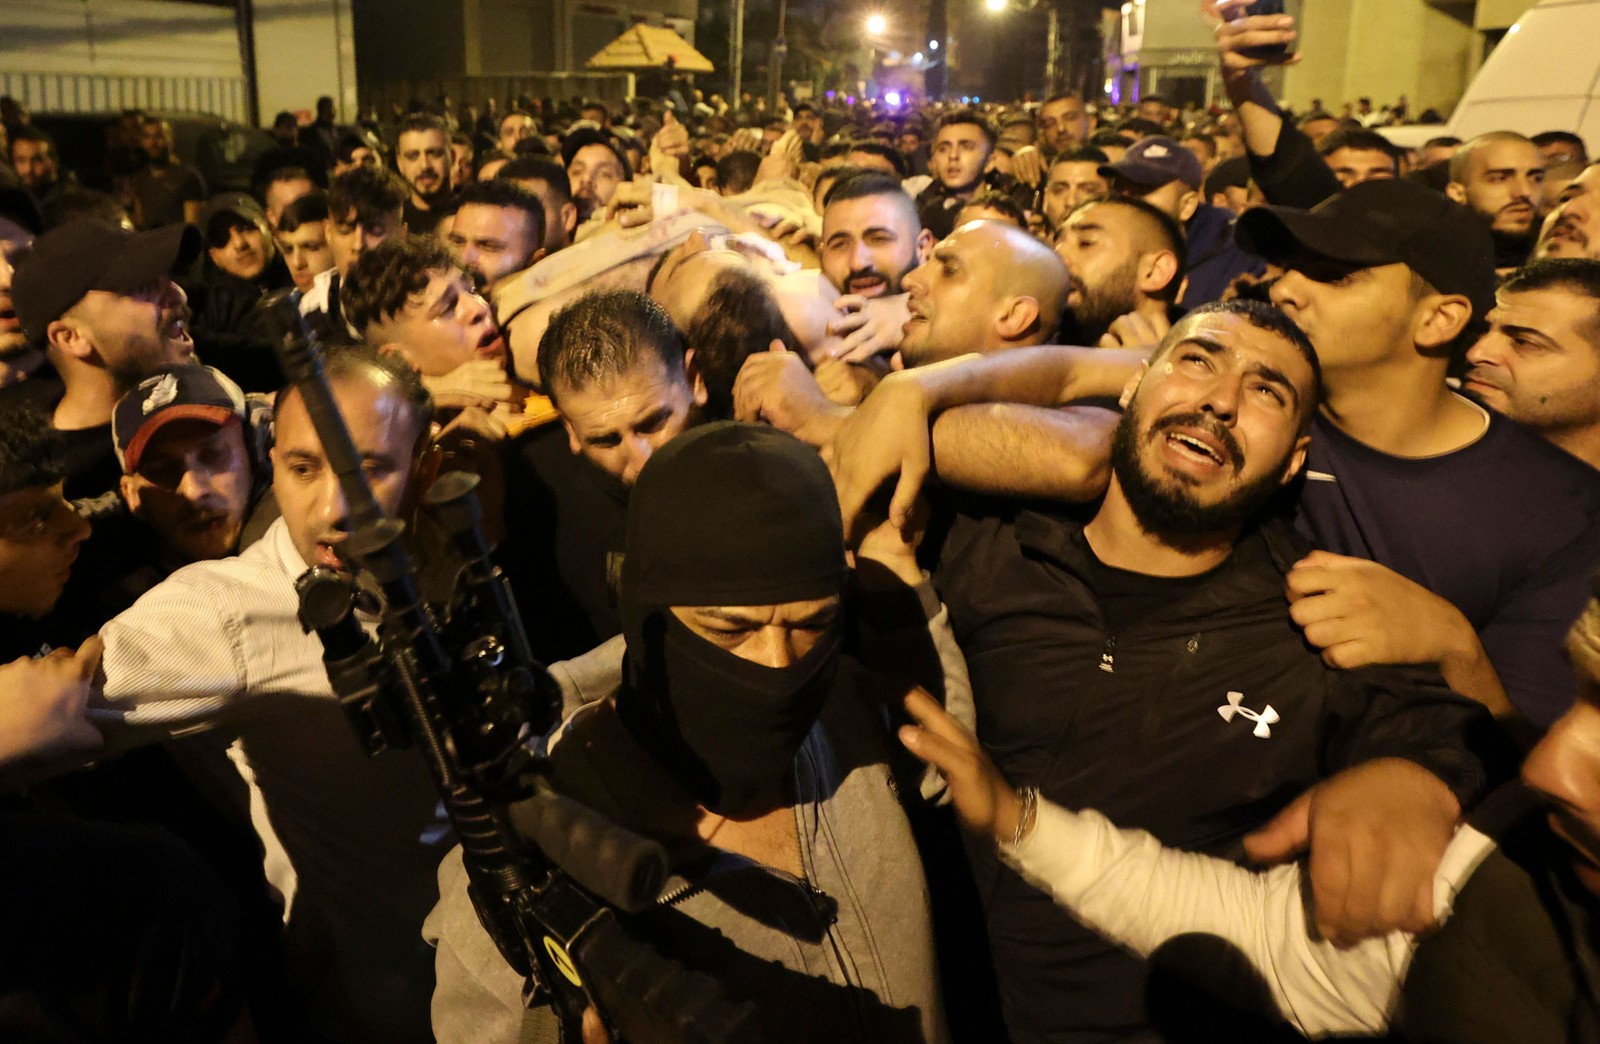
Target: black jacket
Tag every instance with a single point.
(1519, 958)
(1143, 726)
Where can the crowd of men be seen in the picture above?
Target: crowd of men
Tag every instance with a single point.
(1042, 574)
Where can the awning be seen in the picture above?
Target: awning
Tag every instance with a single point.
(650, 47)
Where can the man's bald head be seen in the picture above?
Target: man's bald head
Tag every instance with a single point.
(1500, 176)
(987, 286)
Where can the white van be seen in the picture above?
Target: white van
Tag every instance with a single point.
(1545, 75)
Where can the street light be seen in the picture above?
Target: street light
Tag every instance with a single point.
(877, 25)
(995, 6)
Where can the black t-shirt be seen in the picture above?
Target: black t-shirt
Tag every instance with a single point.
(39, 392)
(88, 455)
(566, 525)
(91, 462)
(1506, 529)
(163, 189)
(1127, 597)
(421, 222)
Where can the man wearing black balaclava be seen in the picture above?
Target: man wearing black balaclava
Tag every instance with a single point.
(754, 748)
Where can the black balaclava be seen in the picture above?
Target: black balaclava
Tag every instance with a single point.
(726, 515)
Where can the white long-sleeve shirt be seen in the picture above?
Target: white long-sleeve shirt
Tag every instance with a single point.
(1125, 885)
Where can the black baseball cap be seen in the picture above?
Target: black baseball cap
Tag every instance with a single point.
(1233, 172)
(186, 392)
(232, 207)
(1154, 162)
(1386, 222)
(83, 255)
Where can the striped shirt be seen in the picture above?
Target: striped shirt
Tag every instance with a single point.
(351, 842)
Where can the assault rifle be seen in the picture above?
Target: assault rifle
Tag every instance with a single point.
(552, 882)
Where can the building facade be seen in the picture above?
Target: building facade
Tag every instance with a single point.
(237, 61)
(421, 48)
(1423, 51)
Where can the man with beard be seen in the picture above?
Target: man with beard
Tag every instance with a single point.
(33, 157)
(497, 231)
(746, 741)
(1063, 125)
(1500, 177)
(1385, 278)
(986, 288)
(166, 189)
(1539, 364)
(1073, 178)
(1125, 262)
(595, 167)
(870, 236)
(1169, 177)
(1145, 641)
(1573, 228)
(1514, 958)
(422, 158)
(350, 842)
(103, 303)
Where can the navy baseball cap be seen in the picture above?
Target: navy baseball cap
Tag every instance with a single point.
(1386, 222)
(186, 392)
(67, 262)
(1154, 162)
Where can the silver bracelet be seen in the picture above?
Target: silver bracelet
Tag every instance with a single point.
(1030, 808)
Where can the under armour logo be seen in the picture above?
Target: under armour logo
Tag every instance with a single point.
(1264, 719)
(165, 390)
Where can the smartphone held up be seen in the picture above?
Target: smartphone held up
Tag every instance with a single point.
(1233, 10)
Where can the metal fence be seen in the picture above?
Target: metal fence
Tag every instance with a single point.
(91, 92)
(612, 88)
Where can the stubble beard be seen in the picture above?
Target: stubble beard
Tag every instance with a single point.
(1166, 509)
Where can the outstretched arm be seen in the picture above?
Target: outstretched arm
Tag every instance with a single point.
(1133, 891)
(1282, 159)
(890, 433)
